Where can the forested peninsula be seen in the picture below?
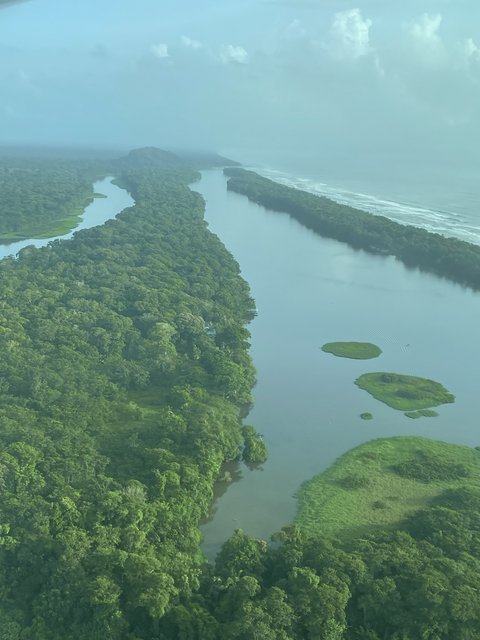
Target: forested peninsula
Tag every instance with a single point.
(44, 196)
(124, 374)
(450, 258)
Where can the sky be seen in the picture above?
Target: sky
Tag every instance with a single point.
(284, 76)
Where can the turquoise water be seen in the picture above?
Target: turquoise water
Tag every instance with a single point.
(310, 290)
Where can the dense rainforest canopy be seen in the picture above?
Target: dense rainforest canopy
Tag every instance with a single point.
(44, 196)
(124, 371)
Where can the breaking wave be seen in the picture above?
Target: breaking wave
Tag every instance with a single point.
(446, 223)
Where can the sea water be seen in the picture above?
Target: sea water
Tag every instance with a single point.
(440, 197)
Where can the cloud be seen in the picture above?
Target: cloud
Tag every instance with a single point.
(426, 30)
(350, 35)
(428, 46)
(232, 53)
(160, 50)
(471, 52)
(190, 43)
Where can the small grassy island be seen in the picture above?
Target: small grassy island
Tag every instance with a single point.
(354, 350)
(380, 483)
(406, 393)
(366, 415)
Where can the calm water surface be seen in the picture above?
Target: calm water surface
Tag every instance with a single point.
(96, 213)
(310, 290)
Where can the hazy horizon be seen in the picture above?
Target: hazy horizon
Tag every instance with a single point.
(300, 77)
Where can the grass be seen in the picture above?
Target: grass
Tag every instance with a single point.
(354, 350)
(406, 393)
(366, 415)
(378, 484)
(421, 413)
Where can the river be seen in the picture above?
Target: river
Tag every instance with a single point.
(311, 290)
(96, 213)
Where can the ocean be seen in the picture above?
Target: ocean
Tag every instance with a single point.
(439, 197)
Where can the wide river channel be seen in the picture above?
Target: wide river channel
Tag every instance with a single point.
(308, 291)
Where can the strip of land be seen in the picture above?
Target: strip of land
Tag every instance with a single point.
(450, 258)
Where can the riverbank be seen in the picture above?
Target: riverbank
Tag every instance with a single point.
(97, 212)
(54, 228)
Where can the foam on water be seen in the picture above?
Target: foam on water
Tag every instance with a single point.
(446, 223)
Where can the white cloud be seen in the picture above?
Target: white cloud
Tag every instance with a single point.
(232, 53)
(471, 51)
(160, 50)
(426, 30)
(190, 43)
(427, 45)
(350, 35)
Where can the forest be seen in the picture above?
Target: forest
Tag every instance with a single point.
(123, 372)
(44, 196)
(124, 376)
(449, 258)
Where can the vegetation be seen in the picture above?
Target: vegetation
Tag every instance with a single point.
(44, 197)
(421, 413)
(354, 350)
(416, 575)
(123, 371)
(454, 259)
(366, 416)
(255, 449)
(406, 393)
(403, 473)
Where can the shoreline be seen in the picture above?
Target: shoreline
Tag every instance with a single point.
(445, 257)
(450, 224)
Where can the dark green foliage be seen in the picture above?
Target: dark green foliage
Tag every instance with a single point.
(366, 416)
(430, 468)
(43, 197)
(418, 582)
(448, 257)
(118, 407)
(255, 449)
(123, 372)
